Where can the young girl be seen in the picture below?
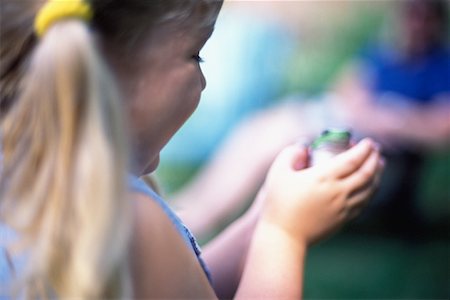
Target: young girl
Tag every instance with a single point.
(90, 93)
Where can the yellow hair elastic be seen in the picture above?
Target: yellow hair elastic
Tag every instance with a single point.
(56, 10)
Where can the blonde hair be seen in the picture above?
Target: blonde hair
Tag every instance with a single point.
(63, 182)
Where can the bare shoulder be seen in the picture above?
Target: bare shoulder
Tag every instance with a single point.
(149, 217)
(162, 265)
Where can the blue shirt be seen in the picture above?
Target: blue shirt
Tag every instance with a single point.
(419, 79)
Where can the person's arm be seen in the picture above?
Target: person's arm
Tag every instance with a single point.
(225, 255)
(425, 126)
(409, 124)
(275, 265)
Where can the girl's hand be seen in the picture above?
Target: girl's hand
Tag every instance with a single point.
(309, 203)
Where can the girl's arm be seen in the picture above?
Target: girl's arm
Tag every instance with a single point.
(225, 255)
(275, 264)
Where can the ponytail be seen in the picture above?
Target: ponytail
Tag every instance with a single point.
(64, 170)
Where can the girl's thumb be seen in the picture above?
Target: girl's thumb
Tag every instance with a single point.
(294, 157)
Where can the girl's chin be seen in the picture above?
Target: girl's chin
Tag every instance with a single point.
(152, 165)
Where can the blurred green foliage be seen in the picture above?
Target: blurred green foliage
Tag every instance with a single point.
(317, 61)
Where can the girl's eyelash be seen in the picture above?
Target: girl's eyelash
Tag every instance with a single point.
(198, 58)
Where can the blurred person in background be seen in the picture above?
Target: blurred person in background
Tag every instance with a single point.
(91, 91)
(398, 92)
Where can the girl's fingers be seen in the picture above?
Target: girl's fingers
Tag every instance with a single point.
(360, 199)
(351, 160)
(353, 213)
(380, 168)
(365, 174)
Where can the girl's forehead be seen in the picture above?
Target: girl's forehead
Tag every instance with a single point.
(185, 29)
(187, 37)
(198, 25)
